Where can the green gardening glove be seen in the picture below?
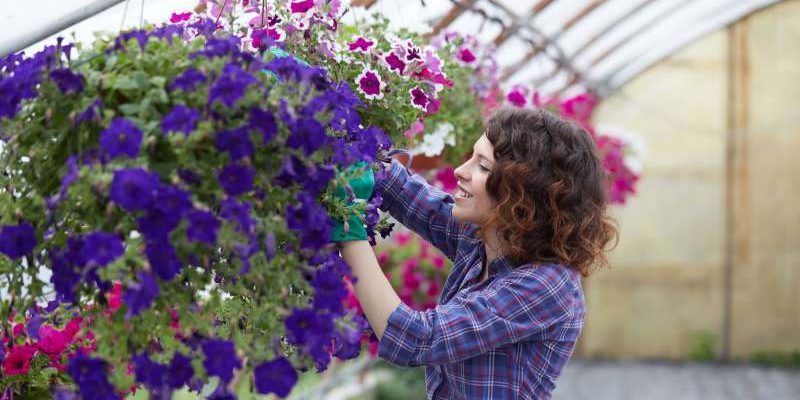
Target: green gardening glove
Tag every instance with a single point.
(363, 185)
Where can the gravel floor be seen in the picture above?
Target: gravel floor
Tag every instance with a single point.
(614, 380)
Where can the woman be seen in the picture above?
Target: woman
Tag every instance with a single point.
(527, 221)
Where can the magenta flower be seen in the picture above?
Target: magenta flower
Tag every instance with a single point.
(516, 98)
(301, 7)
(18, 360)
(419, 99)
(465, 55)
(579, 107)
(53, 341)
(180, 17)
(370, 84)
(395, 63)
(361, 45)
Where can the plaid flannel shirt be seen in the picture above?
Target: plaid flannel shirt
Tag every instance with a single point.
(507, 337)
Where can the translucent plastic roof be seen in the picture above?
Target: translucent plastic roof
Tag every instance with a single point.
(555, 45)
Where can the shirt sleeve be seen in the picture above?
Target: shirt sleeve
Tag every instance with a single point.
(423, 208)
(525, 306)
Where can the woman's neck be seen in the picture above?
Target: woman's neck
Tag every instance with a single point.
(492, 246)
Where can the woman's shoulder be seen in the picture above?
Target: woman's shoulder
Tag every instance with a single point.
(548, 278)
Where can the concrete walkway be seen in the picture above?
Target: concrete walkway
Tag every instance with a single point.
(620, 380)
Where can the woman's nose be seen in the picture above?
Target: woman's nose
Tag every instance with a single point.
(460, 173)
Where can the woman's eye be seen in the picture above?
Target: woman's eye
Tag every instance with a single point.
(484, 169)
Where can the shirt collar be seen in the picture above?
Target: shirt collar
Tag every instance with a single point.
(500, 265)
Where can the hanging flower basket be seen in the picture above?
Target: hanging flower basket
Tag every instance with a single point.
(195, 176)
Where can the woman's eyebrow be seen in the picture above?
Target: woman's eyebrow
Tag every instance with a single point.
(481, 156)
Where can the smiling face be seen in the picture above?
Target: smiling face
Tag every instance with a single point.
(473, 203)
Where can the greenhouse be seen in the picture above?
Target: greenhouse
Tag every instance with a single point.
(385, 199)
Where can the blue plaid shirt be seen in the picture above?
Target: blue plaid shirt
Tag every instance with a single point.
(507, 337)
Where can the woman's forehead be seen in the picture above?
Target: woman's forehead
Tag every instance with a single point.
(484, 148)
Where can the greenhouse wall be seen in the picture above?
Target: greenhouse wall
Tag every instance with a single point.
(708, 265)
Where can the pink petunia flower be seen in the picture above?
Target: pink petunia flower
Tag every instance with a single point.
(579, 107)
(416, 128)
(370, 84)
(438, 262)
(402, 238)
(447, 178)
(301, 7)
(180, 17)
(114, 297)
(18, 330)
(432, 62)
(395, 63)
(53, 341)
(517, 98)
(18, 360)
(418, 98)
(433, 106)
(465, 55)
(361, 45)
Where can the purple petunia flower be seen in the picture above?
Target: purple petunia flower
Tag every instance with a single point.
(310, 221)
(277, 376)
(307, 327)
(361, 44)
(149, 372)
(219, 47)
(348, 344)
(220, 358)
(287, 68)
(17, 240)
(67, 81)
(418, 98)
(395, 63)
(302, 6)
(370, 84)
(134, 189)
(163, 259)
(64, 277)
(203, 227)
(90, 376)
(239, 212)
(140, 295)
(465, 55)
(180, 371)
(122, 137)
(180, 119)
(270, 245)
(140, 35)
(329, 291)
(92, 113)
(307, 134)
(188, 80)
(230, 87)
(173, 200)
(236, 179)
(101, 248)
(156, 224)
(236, 142)
(264, 122)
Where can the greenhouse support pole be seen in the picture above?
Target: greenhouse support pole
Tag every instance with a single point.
(39, 33)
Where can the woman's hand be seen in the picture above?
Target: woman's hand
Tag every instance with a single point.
(362, 186)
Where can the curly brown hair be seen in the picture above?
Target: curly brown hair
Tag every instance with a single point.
(549, 187)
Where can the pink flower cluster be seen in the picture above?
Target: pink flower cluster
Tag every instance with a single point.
(21, 346)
